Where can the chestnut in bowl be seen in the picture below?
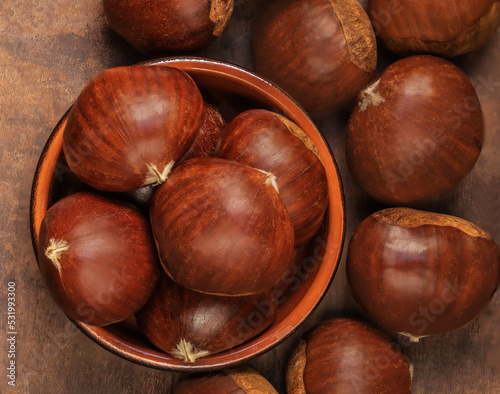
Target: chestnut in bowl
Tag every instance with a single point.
(421, 273)
(130, 125)
(343, 355)
(241, 380)
(222, 228)
(416, 131)
(162, 26)
(190, 325)
(447, 28)
(322, 52)
(208, 136)
(232, 84)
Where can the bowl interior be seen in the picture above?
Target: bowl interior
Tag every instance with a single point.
(234, 89)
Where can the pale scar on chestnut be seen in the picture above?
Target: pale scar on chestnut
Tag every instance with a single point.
(220, 13)
(407, 217)
(360, 37)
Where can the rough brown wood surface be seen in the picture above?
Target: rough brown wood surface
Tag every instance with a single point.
(48, 50)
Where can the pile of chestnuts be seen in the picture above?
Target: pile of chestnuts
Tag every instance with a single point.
(230, 204)
(415, 131)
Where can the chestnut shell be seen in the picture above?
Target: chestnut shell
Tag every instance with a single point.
(447, 28)
(416, 131)
(222, 228)
(270, 142)
(241, 380)
(422, 273)
(347, 356)
(131, 123)
(322, 52)
(106, 267)
(188, 324)
(161, 26)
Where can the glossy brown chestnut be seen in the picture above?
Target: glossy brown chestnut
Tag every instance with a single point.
(421, 273)
(161, 26)
(265, 140)
(241, 380)
(347, 356)
(130, 125)
(188, 324)
(222, 228)
(416, 131)
(98, 258)
(446, 28)
(208, 135)
(322, 52)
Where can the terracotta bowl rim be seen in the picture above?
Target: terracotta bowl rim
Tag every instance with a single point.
(151, 358)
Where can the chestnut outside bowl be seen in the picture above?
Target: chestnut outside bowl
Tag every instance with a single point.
(314, 269)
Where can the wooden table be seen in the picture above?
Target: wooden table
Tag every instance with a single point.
(48, 51)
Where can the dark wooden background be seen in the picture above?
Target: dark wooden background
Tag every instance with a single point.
(48, 51)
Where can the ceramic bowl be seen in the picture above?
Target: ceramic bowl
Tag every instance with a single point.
(240, 89)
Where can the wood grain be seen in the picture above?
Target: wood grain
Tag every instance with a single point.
(48, 51)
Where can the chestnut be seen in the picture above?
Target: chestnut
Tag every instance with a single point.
(188, 324)
(130, 125)
(241, 380)
(208, 135)
(222, 228)
(97, 257)
(447, 28)
(344, 355)
(161, 26)
(265, 140)
(322, 52)
(416, 131)
(422, 273)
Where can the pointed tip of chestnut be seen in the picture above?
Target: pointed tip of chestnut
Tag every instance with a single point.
(156, 176)
(186, 351)
(433, 272)
(54, 250)
(190, 325)
(370, 96)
